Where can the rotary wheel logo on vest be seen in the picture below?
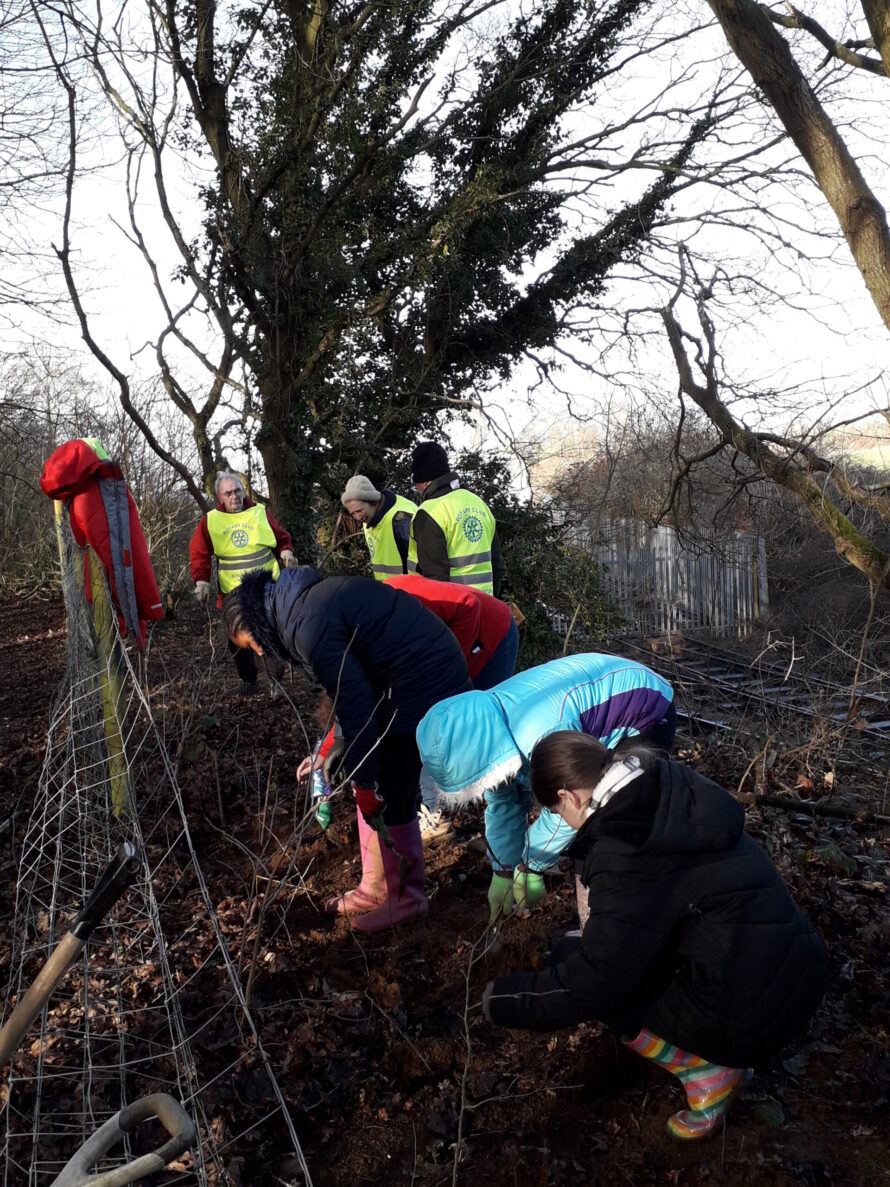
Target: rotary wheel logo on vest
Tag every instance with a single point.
(240, 538)
(472, 529)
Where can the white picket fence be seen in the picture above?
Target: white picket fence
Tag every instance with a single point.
(663, 583)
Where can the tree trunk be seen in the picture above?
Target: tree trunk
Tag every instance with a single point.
(766, 55)
(290, 462)
(878, 16)
(849, 543)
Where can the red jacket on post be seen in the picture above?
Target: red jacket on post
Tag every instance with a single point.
(478, 621)
(82, 475)
(201, 546)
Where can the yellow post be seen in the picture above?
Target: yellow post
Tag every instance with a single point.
(111, 667)
(59, 508)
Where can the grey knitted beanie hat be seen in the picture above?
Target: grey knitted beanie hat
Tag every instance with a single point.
(361, 489)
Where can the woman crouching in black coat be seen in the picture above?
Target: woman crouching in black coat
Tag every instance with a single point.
(384, 660)
(693, 946)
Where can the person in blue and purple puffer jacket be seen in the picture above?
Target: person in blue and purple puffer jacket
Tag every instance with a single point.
(478, 745)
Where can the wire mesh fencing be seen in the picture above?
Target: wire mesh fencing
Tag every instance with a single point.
(157, 1003)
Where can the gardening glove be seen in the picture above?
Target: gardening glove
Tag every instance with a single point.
(334, 761)
(370, 804)
(289, 560)
(500, 896)
(202, 591)
(325, 814)
(528, 890)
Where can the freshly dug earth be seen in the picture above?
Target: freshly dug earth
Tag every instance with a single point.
(391, 1073)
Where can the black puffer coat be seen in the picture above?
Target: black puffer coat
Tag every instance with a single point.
(381, 655)
(692, 932)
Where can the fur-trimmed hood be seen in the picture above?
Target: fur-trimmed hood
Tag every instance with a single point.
(467, 748)
(264, 603)
(477, 742)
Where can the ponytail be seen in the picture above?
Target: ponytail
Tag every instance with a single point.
(567, 759)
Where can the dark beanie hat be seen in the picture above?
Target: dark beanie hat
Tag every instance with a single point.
(428, 461)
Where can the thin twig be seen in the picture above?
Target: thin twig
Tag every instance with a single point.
(752, 764)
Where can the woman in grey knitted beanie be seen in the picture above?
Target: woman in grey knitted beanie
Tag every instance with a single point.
(360, 489)
(386, 522)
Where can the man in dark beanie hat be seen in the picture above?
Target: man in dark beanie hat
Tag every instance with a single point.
(429, 461)
(453, 529)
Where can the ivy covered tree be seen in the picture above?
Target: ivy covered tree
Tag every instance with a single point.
(384, 191)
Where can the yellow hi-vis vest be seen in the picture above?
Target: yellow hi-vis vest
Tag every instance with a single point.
(386, 559)
(469, 530)
(242, 541)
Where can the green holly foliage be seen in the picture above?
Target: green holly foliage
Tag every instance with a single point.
(378, 208)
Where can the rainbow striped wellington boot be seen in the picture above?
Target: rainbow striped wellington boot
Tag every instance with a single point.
(710, 1089)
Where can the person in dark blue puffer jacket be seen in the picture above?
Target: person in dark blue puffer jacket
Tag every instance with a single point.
(384, 660)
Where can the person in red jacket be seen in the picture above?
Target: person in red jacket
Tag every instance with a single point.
(489, 638)
(243, 537)
(482, 624)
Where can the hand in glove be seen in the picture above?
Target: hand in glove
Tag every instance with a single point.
(370, 804)
(202, 591)
(288, 560)
(528, 889)
(334, 761)
(500, 896)
(324, 814)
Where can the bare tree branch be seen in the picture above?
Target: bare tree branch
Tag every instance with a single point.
(849, 542)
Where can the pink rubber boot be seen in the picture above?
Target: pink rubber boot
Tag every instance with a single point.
(372, 888)
(400, 905)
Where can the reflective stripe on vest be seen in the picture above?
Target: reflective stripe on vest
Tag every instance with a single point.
(386, 560)
(242, 542)
(469, 529)
(253, 560)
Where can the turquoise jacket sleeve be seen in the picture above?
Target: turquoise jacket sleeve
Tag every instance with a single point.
(547, 838)
(506, 820)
